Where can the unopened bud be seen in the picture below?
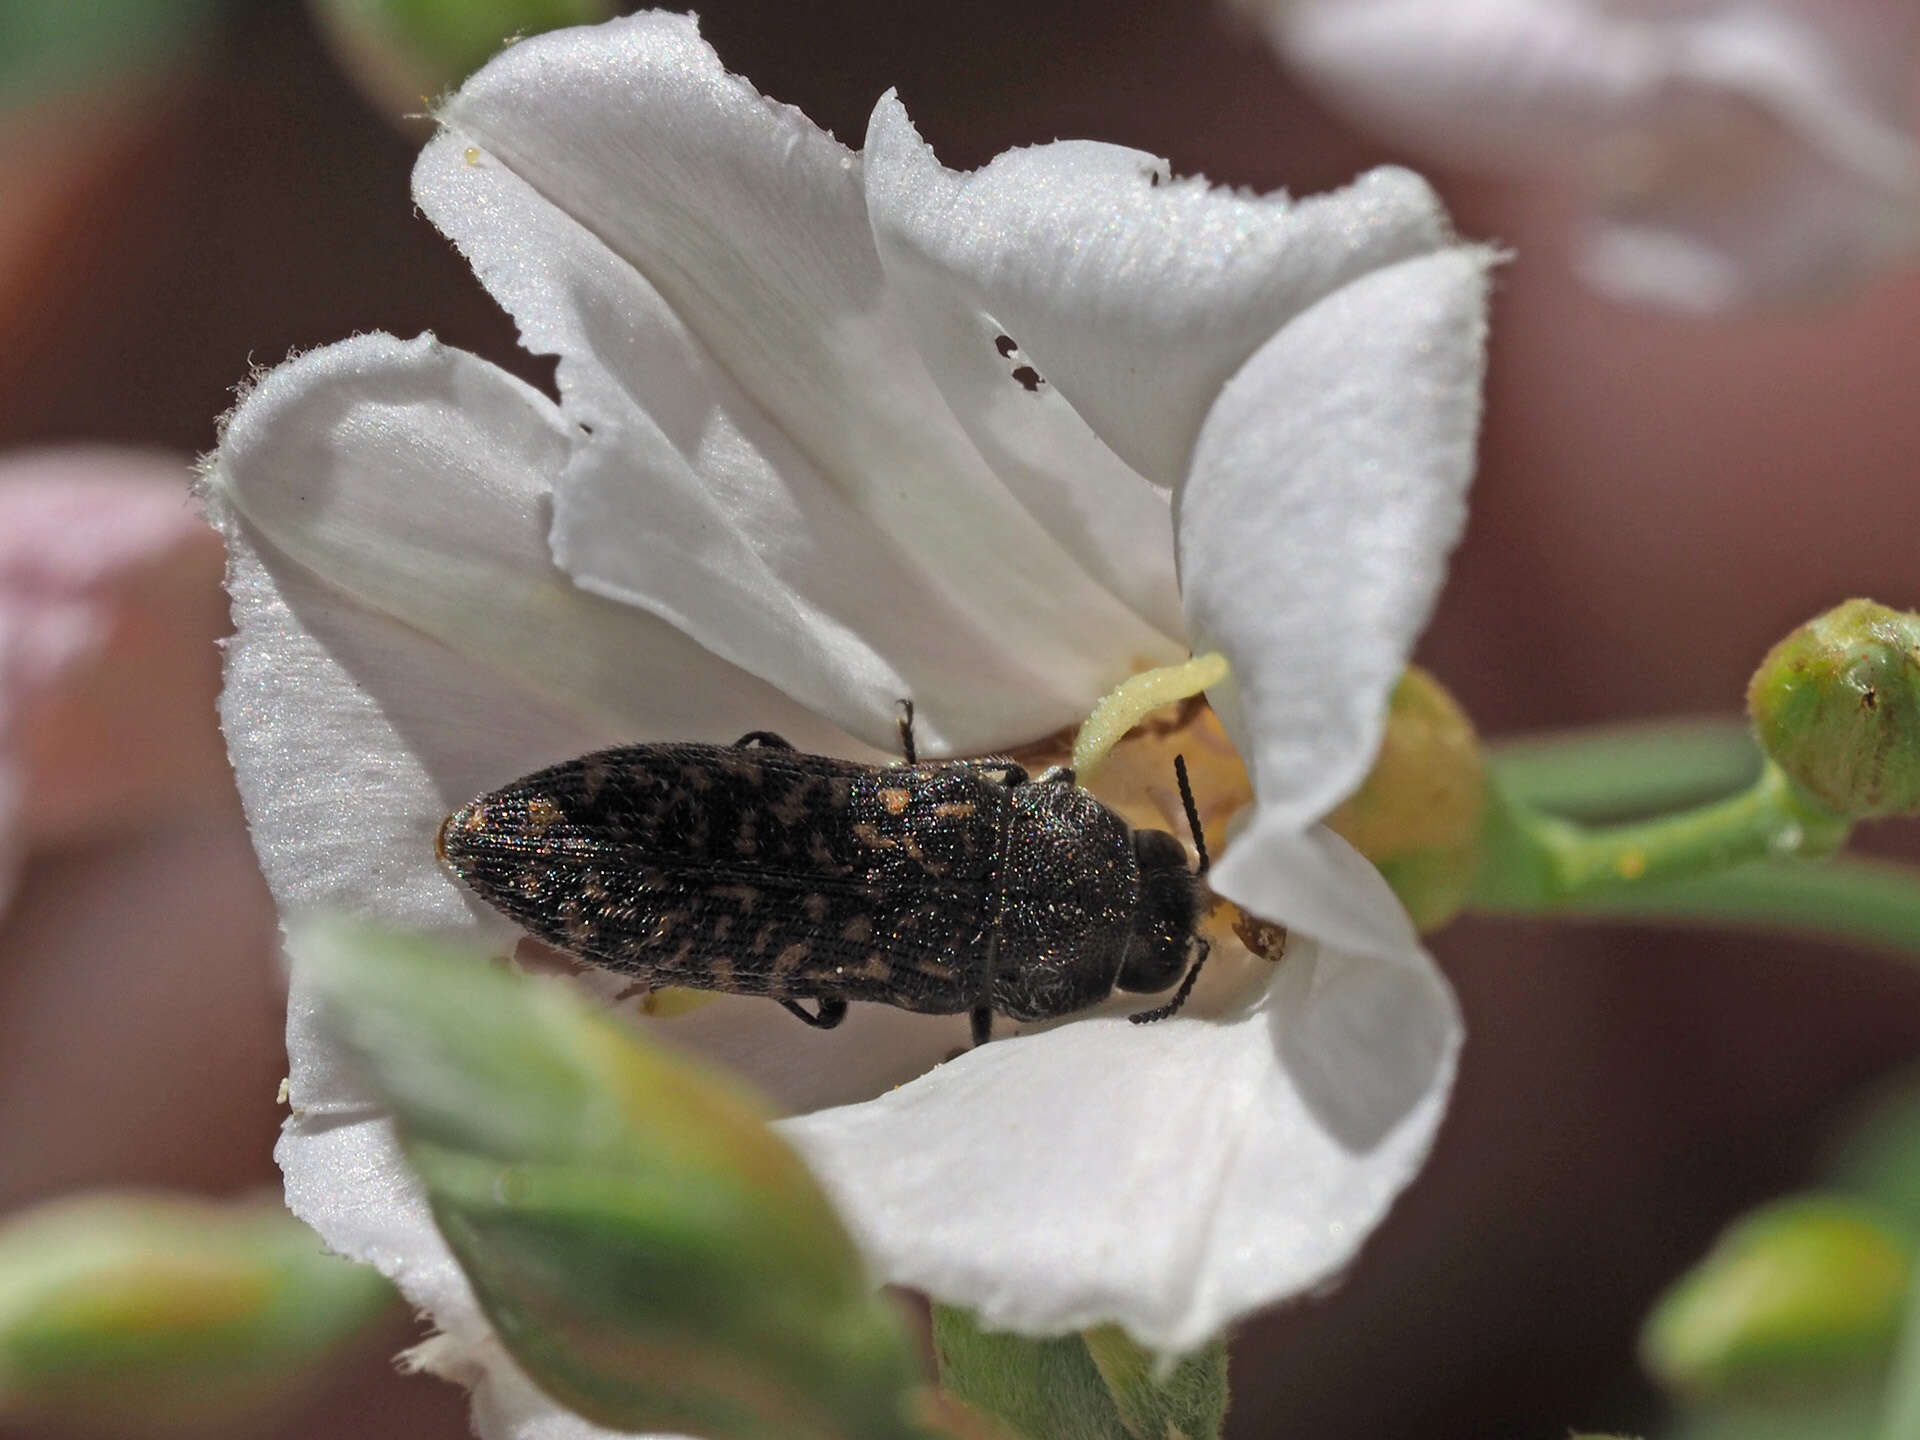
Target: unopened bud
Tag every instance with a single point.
(1837, 706)
(149, 1315)
(1417, 816)
(651, 1252)
(1808, 1291)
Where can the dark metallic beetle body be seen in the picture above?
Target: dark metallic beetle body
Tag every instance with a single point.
(760, 870)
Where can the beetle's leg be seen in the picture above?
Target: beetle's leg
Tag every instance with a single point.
(982, 1024)
(907, 747)
(763, 737)
(828, 1014)
(1147, 1017)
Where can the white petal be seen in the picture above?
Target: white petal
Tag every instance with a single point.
(346, 1177)
(799, 1069)
(1113, 520)
(773, 446)
(1728, 152)
(1328, 487)
(1170, 1177)
(1315, 883)
(404, 642)
(1136, 299)
(415, 478)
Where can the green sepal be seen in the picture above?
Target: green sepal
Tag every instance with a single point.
(1097, 1386)
(1804, 1295)
(652, 1254)
(145, 1314)
(1418, 815)
(1433, 885)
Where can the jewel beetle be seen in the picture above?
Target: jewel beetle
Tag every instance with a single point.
(949, 887)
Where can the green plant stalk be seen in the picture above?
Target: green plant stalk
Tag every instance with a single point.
(1874, 903)
(1532, 861)
(1619, 772)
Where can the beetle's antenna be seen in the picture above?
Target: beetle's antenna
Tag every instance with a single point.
(1193, 814)
(1161, 1012)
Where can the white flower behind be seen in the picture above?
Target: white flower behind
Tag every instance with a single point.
(1722, 151)
(839, 428)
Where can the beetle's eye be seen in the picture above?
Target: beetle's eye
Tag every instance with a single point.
(1154, 961)
(1157, 850)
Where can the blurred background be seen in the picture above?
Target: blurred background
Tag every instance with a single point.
(206, 187)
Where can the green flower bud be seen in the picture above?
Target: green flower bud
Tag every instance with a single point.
(1417, 816)
(1837, 706)
(150, 1315)
(1805, 1293)
(403, 53)
(653, 1255)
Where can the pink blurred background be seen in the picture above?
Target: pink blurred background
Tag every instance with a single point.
(1659, 499)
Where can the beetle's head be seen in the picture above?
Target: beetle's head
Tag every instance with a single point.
(1162, 936)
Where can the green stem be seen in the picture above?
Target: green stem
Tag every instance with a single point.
(1617, 772)
(1866, 902)
(1534, 861)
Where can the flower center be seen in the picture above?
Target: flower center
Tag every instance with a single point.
(1124, 754)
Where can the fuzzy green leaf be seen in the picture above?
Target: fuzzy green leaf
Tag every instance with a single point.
(652, 1254)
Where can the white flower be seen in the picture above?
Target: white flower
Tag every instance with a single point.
(835, 429)
(1723, 151)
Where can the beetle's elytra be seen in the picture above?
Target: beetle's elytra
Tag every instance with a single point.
(944, 888)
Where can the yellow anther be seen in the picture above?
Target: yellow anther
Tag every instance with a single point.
(1136, 697)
